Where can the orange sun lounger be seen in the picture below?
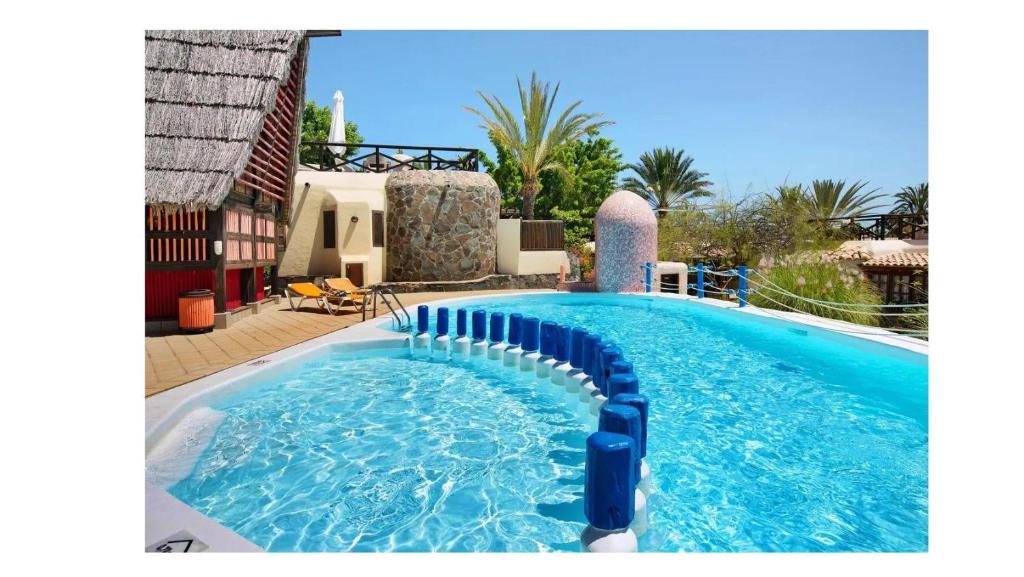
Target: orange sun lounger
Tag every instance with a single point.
(307, 290)
(345, 289)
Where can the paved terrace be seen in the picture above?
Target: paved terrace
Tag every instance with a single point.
(177, 359)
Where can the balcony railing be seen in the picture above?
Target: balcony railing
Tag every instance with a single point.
(386, 157)
(882, 226)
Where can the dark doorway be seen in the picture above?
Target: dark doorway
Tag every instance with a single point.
(377, 228)
(672, 280)
(248, 279)
(330, 229)
(354, 272)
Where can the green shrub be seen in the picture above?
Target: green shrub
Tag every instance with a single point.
(579, 229)
(586, 258)
(916, 323)
(731, 233)
(811, 277)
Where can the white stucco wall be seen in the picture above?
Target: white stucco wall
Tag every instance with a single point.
(543, 262)
(304, 244)
(669, 267)
(349, 194)
(511, 260)
(355, 239)
(508, 245)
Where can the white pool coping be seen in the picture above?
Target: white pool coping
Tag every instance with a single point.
(166, 515)
(853, 330)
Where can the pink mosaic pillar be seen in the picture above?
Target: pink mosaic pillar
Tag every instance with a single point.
(626, 237)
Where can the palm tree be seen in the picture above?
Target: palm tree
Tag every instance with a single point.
(912, 200)
(832, 199)
(533, 145)
(666, 179)
(788, 196)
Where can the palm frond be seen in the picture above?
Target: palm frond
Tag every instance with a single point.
(666, 178)
(531, 139)
(912, 199)
(833, 199)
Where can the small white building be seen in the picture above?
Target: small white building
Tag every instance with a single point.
(337, 226)
(670, 277)
(338, 216)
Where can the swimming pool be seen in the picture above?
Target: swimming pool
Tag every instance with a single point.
(763, 436)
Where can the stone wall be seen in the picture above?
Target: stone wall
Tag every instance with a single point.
(441, 225)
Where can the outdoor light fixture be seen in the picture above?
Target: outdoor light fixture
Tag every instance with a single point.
(355, 219)
(218, 247)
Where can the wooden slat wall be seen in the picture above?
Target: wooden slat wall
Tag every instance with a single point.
(233, 289)
(164, 286)
(542, 235)
(176, 236)
(270, 165)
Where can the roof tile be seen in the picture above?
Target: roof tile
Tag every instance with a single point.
(899, 260)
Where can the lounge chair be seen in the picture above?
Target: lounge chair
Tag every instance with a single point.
(307, 290)
(347, 291)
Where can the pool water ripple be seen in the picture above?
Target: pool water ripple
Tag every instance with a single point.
(760, 439)
(384, 453)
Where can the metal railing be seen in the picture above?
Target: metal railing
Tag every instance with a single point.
(881, 226)
(898, 318)
(385, 157)
(400, 322)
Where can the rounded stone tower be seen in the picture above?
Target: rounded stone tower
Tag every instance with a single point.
(626, 237)
(441, 225)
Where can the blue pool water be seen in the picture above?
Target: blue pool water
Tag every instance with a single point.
(763, 436)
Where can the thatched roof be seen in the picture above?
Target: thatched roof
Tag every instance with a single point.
(207, 93)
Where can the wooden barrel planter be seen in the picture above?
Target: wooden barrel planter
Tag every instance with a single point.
(195, 311)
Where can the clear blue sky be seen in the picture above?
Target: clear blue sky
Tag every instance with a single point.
(752, 108)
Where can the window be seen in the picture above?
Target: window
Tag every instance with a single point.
(901, 289)
(881, 281)
(378, 228)
(330, 229)
(238, 236)
(265, 242)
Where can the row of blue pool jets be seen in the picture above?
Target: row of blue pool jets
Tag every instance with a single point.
(615, 451)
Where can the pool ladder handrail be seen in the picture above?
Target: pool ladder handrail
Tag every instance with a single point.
(396, 319)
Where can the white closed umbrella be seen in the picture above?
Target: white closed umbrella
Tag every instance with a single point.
(337, 133)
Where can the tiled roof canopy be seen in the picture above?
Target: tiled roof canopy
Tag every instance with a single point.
(899, 260)
(847, 252)
(207, 93)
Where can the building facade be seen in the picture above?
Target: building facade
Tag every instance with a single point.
(223, 125)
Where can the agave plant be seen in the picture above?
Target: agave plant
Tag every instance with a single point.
(666, 179)
(912, 200)
(833, 199)
(532, 144)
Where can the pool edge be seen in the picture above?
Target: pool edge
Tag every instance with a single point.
(165, 409)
